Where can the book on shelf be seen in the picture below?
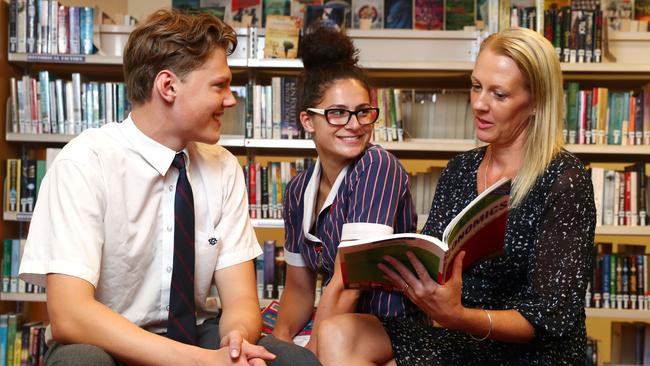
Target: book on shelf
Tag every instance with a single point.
(428, 14)
(330, 15)
(368, 14)
(479, 230)
(282, 34)
(398, 14)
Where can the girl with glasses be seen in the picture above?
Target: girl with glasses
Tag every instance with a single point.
(355, 189)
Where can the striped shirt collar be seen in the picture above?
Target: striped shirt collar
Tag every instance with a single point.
(311, 196)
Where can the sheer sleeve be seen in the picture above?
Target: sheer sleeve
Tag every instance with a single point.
(559, 266)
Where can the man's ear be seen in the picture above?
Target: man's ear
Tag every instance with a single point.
(307, 122)
(164, 85)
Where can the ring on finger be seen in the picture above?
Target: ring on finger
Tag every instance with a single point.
(406, 286)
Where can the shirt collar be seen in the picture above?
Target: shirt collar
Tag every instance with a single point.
(159, 156)
(311, 195)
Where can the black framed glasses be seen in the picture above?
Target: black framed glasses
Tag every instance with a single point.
(341, 116)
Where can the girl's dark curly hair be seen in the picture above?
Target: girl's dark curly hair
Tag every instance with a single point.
(327, 55)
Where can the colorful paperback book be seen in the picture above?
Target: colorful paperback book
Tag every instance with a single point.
(479, 230)
(270, 317)
(328, 15)
(367, 14)
(282, 35)
(428, 14)
(399, 14)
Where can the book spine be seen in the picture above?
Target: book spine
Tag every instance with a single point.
(86, 30)
(74, 30)
(63, 32)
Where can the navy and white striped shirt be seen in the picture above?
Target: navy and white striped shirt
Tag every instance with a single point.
(372, 193)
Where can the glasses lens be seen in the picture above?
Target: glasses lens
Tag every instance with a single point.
(367, 116)
(337, 116)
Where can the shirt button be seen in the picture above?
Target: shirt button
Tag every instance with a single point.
(170, 228)
(167, 307)
(171, 188)
(169, 269)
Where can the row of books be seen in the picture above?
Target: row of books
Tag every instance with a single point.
(576, 34)
(266, 186)
(21, 344)
(53, 105)
(620, 280)
(630, 343)
(358, 14)
(601, 116)
(12, 250)
(270, 269)
(389, 125)
(46, 26)
(437, 114)
(23, 180)
(272, 110)
(423, 187)
(621, 197)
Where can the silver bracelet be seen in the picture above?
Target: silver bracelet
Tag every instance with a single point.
(489, 328)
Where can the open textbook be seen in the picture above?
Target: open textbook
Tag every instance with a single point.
(479, 229)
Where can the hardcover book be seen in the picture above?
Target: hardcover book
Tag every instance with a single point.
(479, 230)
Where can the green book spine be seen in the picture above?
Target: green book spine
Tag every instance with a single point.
(573, 89)
(6, 264)
(12, 324)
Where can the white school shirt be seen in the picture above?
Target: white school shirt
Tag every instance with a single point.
(105, 214)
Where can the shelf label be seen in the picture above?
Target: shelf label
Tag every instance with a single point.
(43, 57)
(23, 216)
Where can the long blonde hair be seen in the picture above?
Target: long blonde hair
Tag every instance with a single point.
(538, 63)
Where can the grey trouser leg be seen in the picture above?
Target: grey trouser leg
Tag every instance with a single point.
(85, 355)
(78, 355)
(288, 354)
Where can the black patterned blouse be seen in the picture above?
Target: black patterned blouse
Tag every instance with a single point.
(543, 274)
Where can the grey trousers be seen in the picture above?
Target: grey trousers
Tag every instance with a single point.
(288, 354)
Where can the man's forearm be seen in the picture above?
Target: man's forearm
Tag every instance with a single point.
(244, 318)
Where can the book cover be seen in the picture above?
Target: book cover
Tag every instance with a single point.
(270, 318)
(428, 14)
(275, 7)
(479, 230)
(246, 13)
(458, 14)
(282, 36)
(398, 14)
(367, 14)
(222, 9)
(327, 15)
(347, 4)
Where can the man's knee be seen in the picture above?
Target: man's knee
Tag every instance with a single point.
(78, 355)
(287, 354)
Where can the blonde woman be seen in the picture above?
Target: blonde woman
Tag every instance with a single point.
(525, 307)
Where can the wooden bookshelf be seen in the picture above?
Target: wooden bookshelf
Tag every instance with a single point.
(22, 296)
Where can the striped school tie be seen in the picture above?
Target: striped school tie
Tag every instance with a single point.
(181, 324)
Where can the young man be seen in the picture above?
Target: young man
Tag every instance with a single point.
(137, 219)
